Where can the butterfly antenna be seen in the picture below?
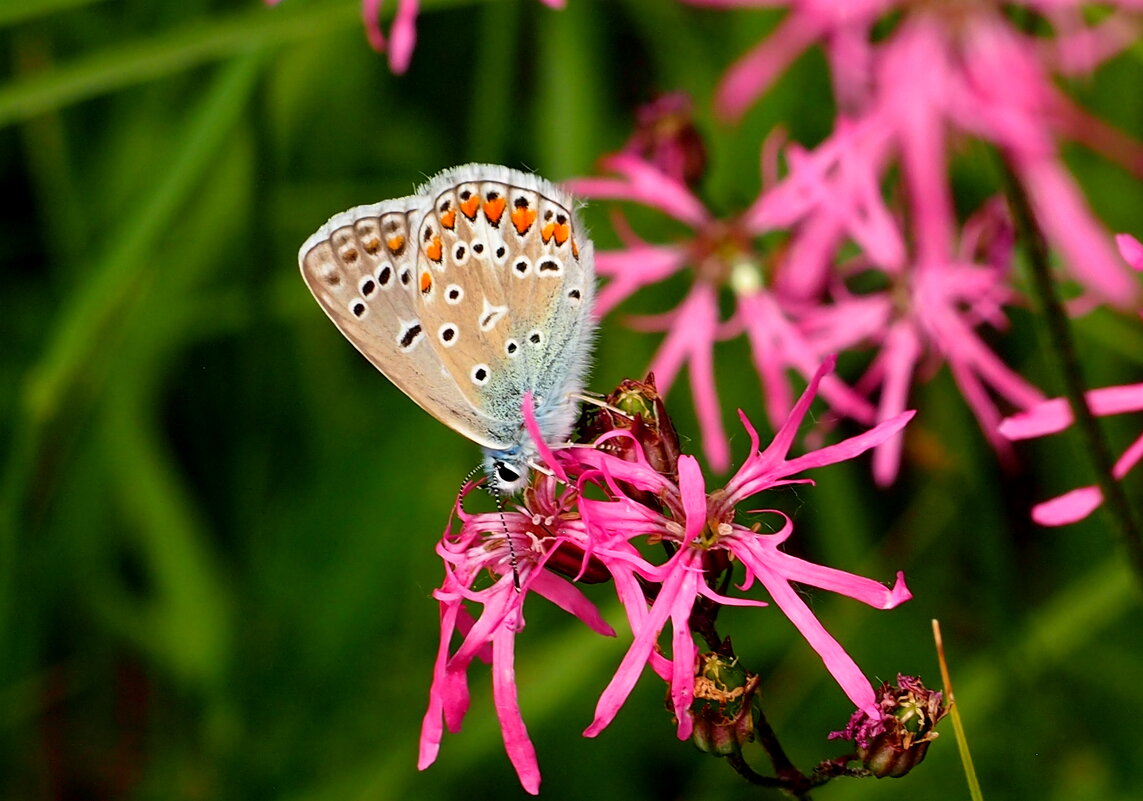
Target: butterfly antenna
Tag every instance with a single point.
(468, 478)
(602, 404)
(511, 546)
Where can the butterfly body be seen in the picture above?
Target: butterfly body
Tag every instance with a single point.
(468, 295)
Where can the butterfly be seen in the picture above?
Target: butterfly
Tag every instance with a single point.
(467, 295)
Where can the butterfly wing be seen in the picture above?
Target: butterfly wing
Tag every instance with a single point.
(504, 290)
(361, 266)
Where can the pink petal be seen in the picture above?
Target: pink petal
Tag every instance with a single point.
(1048, 417)
(848, 448)
(631, 269)
(1052, 416)
(517, 744)
(644, 184)
(839, 664)
(371, 17)
(780, 446)
(545, 453)
(690, 340)
(1069, 225)
(1071, 507)
(1130, 249)
(869, 592)
(403, 36)
(571, 600)
(1129, 459)
(692, 490)
(646, 630)
(899, 355)
(684, 655)
(432, 729)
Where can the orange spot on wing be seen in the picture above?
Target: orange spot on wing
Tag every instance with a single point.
(562, 231)
(448, 218)
(434, 250)
(470, 206)
(395, 243)
(493, 209)
(522, 218)
(575, 249)
(547, 231)
(426, 282)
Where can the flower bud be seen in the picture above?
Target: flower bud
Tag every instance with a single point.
(898, 740)
(665, 135)
(723, 708)
(645, 416)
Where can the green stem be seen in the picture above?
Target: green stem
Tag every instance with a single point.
(1060, 336)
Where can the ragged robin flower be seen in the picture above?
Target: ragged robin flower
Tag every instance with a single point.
(563, 528)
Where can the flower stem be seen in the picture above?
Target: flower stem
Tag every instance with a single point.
(1060, 337)
(790, 779)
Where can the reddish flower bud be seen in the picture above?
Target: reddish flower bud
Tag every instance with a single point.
(665, 135)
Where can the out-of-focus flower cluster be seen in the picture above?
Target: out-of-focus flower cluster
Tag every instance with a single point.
(870, 255)
(601, 515)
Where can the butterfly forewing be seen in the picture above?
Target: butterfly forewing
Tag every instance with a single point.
(503, 288)
(361, 266)
(467, 295)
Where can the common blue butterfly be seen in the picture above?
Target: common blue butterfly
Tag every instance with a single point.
(467, 295)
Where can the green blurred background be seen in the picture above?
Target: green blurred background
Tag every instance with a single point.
(217, 521)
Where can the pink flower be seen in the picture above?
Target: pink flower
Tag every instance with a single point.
(403, 33)
(702, 526)
(723, 257)
(956, 68)
(1055, 415)
(558, 527)
(929, 313)
(955, 281)
(538, 532)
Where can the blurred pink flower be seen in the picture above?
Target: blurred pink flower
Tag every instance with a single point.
(1055, 415)
(955, 281)
(965, 68)
(403, 32)
(723, 257)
